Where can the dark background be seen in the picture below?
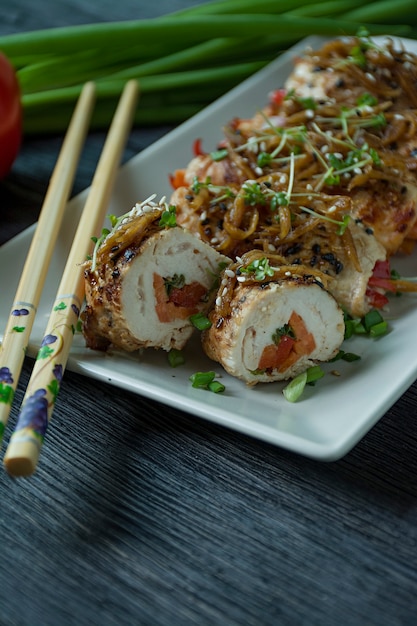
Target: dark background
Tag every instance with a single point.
(139, 514)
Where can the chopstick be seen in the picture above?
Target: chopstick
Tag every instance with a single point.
(26, 300)
(25, 444)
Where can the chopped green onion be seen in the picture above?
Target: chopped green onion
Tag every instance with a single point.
(216, 387)
(176, 357)
(200, 321)
(377, 330)
(205, 380)
(202, 379)
(372, 324)
(314, 374)
(354, 327)
(350, 357)
(294, 390)
(371, 319)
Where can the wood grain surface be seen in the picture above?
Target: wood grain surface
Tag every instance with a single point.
(140, 514)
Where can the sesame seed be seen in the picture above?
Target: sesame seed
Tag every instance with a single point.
(218, 301)
(241, 279)
(229, 273)
(224, 292)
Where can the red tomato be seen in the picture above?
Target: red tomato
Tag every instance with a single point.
(376, 300)
(10, 116)
(177, 179)
(381, 276)
(278, 96)
(197, 148)
(274, 355)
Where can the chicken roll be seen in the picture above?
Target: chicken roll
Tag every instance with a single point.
(272, 323)
(147, 277)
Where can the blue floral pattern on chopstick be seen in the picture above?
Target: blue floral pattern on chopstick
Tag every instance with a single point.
(34, 415)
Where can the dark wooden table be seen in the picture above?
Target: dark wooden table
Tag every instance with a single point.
(140, 514)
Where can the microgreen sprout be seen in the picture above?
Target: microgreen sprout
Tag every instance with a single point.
(342, 224)
(305, 103)
(338, 165)
(350, 117)
(366, 100)
(287, 137)
(221, 192)
(97, 243)
(219, 155)
(253, 194)
(169, 217)
(260, 269)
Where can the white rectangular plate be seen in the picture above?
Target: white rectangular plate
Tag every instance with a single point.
(331, 417)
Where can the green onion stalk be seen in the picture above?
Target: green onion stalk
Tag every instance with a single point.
(183, 60)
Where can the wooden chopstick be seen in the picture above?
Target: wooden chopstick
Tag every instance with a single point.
(26, 300)
(24, 447)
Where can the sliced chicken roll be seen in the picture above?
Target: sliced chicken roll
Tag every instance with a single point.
(145, 282)
(273, 330)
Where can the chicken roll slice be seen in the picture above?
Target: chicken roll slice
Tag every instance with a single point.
(274, 328)
(146, 282)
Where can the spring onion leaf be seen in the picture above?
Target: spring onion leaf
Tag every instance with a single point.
(377, 330)
(201, 380)
(294, 390)
(206, 380)
(176, 357)
(371, 319)
(200, 321)
(216, 387)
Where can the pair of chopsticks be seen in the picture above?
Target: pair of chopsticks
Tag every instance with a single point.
(25, 443)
